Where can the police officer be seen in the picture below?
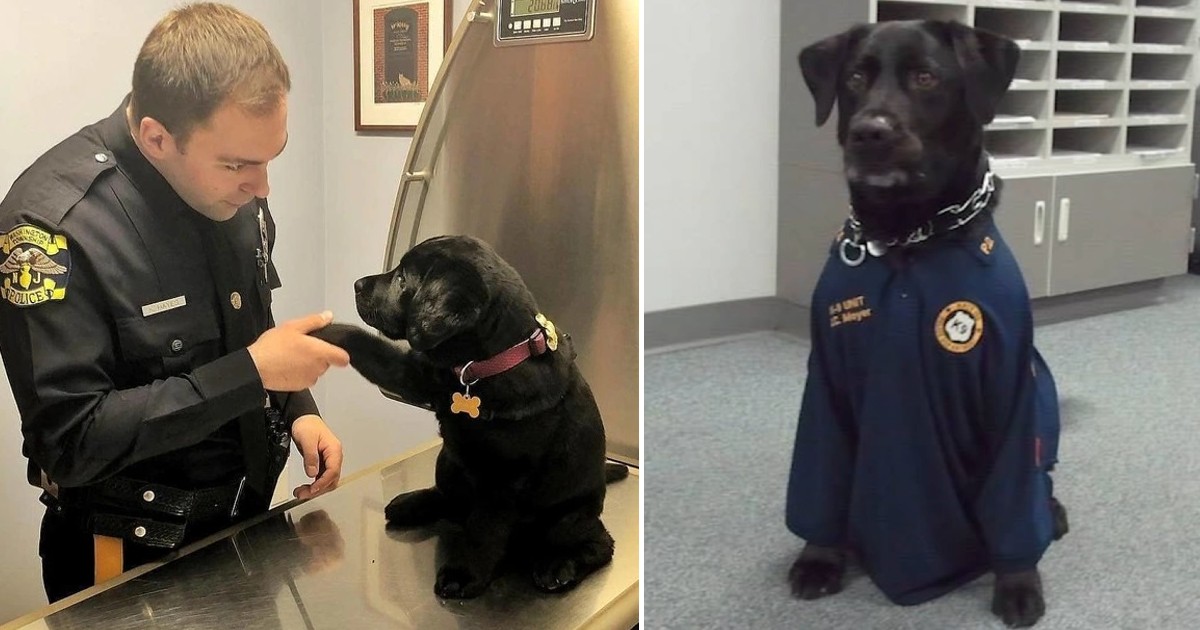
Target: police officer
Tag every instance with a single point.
(157, 396)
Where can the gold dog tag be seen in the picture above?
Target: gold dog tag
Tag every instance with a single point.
(551, 333)
(467, 404)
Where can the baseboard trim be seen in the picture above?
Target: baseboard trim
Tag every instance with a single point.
(1061, 308)
(706, 324)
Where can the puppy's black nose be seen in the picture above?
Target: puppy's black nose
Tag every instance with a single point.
(873, 132)
(359, 285)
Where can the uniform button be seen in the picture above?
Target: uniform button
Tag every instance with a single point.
(139, 531)
(101, 158)
(148, 496)
(235, 299)
(176, 345)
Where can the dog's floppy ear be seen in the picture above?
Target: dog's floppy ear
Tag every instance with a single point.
(821, 63)
(451, 299)
(989, 62)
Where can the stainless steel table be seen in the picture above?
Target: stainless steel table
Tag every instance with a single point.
(337, 566)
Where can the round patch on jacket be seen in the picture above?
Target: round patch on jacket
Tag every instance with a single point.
(959, 327)
(34, 264)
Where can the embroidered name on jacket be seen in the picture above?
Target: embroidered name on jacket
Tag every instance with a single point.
(849, 311)
(35, 265)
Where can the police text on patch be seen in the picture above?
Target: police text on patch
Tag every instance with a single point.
(34, 265)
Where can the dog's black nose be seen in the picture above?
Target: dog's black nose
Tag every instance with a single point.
(360, 284)
(873, 132)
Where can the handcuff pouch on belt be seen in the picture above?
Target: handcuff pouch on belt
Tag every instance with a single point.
(147, 513)
(163, 516)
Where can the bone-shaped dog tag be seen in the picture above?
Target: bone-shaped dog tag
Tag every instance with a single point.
(467, 404)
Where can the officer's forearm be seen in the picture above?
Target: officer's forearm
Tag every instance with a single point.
(296, 404)
(109, 431)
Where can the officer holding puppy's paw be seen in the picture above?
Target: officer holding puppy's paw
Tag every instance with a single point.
(157, 396)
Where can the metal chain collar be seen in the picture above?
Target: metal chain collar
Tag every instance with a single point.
(964, 213)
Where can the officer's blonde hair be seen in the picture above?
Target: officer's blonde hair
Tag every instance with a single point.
(201, 56)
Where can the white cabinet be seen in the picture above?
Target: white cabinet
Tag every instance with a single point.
(1077, 232)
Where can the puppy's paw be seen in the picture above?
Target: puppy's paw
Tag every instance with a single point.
(1017, 598)
(817, 572)
(1059, 514)
(341, 335)
(415, 509)
(557, 575)
(458, 583)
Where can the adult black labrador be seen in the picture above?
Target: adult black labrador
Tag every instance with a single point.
(522, 467)
(929, 423)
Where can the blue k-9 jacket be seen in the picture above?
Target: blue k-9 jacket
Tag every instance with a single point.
(929, 421)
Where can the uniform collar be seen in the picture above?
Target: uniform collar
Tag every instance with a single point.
(154, 187)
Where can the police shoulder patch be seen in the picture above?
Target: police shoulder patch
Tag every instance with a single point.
(959, 327)
(34, 264)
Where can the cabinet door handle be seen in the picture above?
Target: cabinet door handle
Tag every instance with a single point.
(1039, 222)
(1064, 219)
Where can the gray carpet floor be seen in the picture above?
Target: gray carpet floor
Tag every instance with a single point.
(719, 425)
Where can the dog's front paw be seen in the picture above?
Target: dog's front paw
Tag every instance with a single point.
(556, 575)
(340, 335)
(817, 572)
(1017, 598)
(458, 583)
(414, 509)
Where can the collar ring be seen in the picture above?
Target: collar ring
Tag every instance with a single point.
(462, 374)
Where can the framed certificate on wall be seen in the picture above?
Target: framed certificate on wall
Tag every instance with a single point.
(398, 48)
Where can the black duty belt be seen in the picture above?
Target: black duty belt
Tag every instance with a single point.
(153, 514)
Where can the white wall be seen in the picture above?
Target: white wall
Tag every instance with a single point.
(711, 127)
(361, 178)
(67, 63)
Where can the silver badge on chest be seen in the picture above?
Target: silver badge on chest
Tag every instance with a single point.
(262, 254)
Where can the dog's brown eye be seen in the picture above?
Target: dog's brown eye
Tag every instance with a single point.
(856, 81)
(924, 80)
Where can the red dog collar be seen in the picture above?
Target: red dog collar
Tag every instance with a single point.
(474, 370)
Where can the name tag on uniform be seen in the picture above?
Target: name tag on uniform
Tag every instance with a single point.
(165, 305)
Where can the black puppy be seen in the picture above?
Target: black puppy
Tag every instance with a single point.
(929, 423)
(522, 467)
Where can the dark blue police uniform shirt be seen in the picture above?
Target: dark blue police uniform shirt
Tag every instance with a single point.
(929, 421)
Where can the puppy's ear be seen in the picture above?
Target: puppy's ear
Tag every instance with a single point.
(989, 62)
(821, 63)
(450, 300)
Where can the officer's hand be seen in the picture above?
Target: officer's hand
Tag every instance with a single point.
(289, 360)
(322, 453)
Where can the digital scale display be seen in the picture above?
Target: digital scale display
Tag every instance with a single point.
(544, 21)
(522, 8)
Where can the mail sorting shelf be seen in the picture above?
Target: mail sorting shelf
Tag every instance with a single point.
(1088, 107)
